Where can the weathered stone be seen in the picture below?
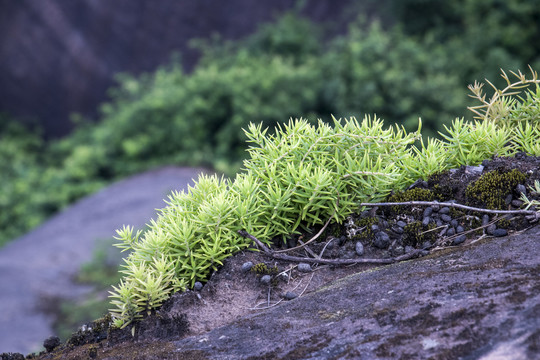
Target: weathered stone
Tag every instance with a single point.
(303, 267)
(359, 248)
(247, 266)
(428, 305)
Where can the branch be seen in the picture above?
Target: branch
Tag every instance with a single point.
(279, 256)
(454, 205)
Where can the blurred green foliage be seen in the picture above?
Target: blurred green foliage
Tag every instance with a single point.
(415, 63)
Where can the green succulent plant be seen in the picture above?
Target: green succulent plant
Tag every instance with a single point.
(299, 176)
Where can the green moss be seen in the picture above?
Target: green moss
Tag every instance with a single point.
(491, 189)
(416, 194)
(263, 269)
(415, 234)
(366, 234)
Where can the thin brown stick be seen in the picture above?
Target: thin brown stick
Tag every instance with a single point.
(310, 240)
(454, 205)
(279, 256)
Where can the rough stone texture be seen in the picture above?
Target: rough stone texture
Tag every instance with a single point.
(40, 264)
(59, 56)
(481, 301)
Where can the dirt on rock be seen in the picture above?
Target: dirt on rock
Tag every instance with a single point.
(478, 299)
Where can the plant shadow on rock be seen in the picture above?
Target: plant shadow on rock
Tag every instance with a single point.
(234, 293)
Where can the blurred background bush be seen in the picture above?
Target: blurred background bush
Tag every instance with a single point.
(399, 59)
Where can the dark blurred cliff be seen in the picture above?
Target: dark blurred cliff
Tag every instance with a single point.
(58, 57)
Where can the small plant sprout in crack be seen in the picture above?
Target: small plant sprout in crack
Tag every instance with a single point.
(301, 176)
(531, 203)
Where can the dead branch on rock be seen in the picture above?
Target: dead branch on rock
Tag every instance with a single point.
(279, 256)
(534, 215)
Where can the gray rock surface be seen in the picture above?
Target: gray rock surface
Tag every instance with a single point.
(41, 263)
(480, 301)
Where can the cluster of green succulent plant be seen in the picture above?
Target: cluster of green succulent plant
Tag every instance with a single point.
(296, 177)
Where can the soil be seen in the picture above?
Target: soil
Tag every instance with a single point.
(472, 298)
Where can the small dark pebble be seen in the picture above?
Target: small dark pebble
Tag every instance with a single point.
(359, 248)
(438, 222)
(491, 229)
(375, 227)
(508, 199)
(289, 295)
(460, 229)
(266, 279)
(398, 230)
(451, 231)
(459, 239)
(426, 221)
(446, 218)
(247, 266)
(50, 343)
(198, 286)
(485, 220)
(521, 189)
(304, 267)
(500, 232)
(445, 210)
(428, 211)
(517, 203)
(382, 240)
(401, 224)
(454, 223)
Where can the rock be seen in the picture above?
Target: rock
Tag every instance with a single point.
(517, 203)
(247, 266)
(398, 230)
(521, 189)
(490, 229)
(454, 223)
(485, 220)
(458, 240)
(446, 218)
(375, 228)
(382, 240)
(474, 170)
(508, 199)
(359, 248)
(460, 229)
(451, 231)
(444, 210)
(289, 295)
(265, 279)
(427, 212)
(427, 310)
(304, 267)
(198, 286)
(499, 232)
(426, 221)
(51, 343)
(401, 224)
